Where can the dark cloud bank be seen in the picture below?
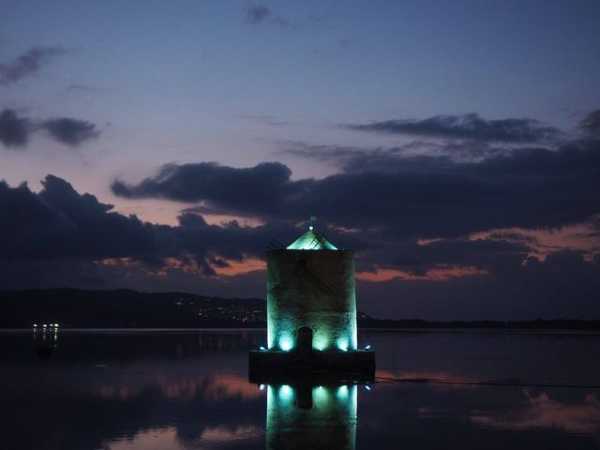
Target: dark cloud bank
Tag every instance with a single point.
(28, 64)
(41, 233)
(591, 123)
(68, 131)
(380, 203)
(15, 130)
(468, 126)
(404, 197)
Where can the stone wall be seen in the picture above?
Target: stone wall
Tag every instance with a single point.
(312, 288)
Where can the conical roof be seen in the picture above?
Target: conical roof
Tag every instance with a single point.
(311, 240)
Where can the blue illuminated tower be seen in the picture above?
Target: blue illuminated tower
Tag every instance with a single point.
(311, 312)
(311, 296)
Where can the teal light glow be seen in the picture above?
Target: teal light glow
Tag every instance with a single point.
(270, 324)
(342, 392)
(320, 342)
(343, 344)
(320, 396)
(286, 392)
(286, 343)
(329, 422)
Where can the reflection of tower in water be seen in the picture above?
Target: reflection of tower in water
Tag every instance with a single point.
(311, 417)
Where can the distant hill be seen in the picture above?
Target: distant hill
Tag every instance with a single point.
(75, 308)
(126, 309)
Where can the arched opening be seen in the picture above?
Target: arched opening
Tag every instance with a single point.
(305, 339)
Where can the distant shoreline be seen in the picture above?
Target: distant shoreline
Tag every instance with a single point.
(423, 330)
(77, 309)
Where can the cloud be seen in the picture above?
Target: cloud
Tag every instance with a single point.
(591, 123)
(468, 126)
(16, 130)
(28, 64)
(353, 159)
(262, 188)
(59, 223)
(457, 230)
(259, 14)
(562, 286)
(488, 254)
(415, 196)
(59, 237)
(417, 223)
(72, 132)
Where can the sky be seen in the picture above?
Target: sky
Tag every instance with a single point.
(455, 146)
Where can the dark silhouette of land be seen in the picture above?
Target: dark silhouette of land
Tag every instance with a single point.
(74, 308)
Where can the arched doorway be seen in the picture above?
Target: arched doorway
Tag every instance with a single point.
(304, 339)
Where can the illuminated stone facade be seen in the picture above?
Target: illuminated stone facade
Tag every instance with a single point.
(311, 287)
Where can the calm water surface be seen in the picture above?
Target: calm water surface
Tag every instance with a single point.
(189, 390)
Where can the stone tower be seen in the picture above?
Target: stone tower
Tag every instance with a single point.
(311, 300)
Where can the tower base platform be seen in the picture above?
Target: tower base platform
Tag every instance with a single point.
(271, 365)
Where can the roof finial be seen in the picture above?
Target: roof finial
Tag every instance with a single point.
(312, 221)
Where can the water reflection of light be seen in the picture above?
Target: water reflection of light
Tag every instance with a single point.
(542, 411)
(286, 392)
(342, 392)
(320, 395)
(221, 434)
(447, 380)
(305, 416)
(219, 387)
(156, 439)
(162, 438)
